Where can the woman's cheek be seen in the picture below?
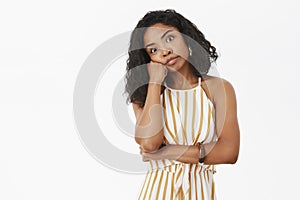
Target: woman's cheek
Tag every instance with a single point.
(155, 59)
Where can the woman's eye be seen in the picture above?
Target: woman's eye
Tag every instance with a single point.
(153, 50)
(170, 38)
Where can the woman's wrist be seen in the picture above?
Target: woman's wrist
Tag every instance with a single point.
(155, 82)
(201, 152)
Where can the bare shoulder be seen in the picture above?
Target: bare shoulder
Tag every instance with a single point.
(218, 88)
(215, 82)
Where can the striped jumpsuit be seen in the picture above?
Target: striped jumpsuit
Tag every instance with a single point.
(189, 117)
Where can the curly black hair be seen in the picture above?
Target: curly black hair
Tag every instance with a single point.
(136, 73)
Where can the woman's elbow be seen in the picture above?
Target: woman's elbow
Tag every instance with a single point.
(151, 143)
(233, 160)
(149, 147)
(146, 145)
(231, 153)
(232, 157)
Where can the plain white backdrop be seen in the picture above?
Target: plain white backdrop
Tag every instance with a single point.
(43, 45)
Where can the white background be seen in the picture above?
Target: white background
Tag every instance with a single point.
(43, 45)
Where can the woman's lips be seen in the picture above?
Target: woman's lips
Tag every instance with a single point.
(172, 61)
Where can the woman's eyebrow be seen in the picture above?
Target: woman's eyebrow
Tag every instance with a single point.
(149, 45)
(163, 35)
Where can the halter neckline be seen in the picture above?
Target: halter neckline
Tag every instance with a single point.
(183, 90)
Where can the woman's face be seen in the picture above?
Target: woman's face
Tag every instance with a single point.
(165, 44)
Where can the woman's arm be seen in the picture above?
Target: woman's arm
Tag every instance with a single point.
(149, 127)
(223, 151)
(226, 149)
(149, 123)
(182, 153)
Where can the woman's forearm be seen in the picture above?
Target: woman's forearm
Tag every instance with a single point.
(183, 153)
(149, 125)
(219, 152)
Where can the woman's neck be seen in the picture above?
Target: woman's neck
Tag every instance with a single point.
(177, 80)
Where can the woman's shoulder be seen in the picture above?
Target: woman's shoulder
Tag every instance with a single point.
(214, 80)
(217, 87)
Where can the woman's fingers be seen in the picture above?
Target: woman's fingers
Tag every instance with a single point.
(157, 72)
(144, 155)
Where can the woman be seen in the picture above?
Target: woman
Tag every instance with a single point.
(186, 120)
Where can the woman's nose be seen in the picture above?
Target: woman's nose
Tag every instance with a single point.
(166, 52)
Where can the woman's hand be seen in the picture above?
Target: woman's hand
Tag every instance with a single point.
(181, 153)
(157, 72)
(160, 154)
